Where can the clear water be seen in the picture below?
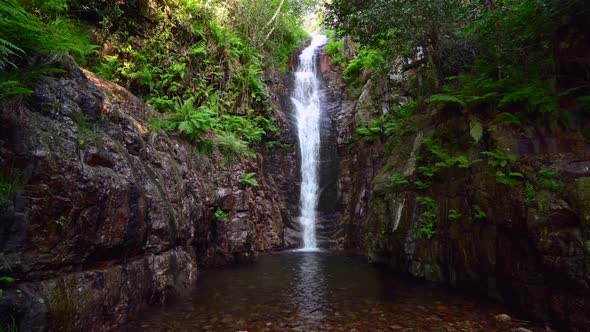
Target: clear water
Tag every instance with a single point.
(306, 99)
(319, 291)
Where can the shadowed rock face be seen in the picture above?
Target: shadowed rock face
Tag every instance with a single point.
(533, 256)
(110, 215)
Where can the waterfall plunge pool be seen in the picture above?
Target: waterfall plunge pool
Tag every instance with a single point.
(319, 291)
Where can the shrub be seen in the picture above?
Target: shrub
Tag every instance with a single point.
(249, 179)
(428, 217)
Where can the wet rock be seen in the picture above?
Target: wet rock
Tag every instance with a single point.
(521, 329)
(113, 215)
(528, 253)
(503, 318)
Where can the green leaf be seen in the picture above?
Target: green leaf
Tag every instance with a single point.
(186, 127)
(476, 130)
(445, 99)
(7, 279)
(249, 179)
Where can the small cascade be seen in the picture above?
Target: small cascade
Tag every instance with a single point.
(306, 98)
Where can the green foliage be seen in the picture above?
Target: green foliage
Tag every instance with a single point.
(75, 39)
(546, 179)
(203, 71)
(398, 26)
(478, 213)
(10, 184)
(273, 26)
(508, 119)
(428, 217)
(498, 56)
(87, 134)
(335, 48)
(45, 7)
(396, 180)
(369, 133)
(530, 192)
(584, 102)
(195, 122)
(386, 124)
(502, 163)
(277, 144)
(29, 45)
(6, 279)
(61, 221)
(476, 130)
(7, 324)
(454, 215)
(13, 88)
(221, 215)
(249, 179)
(445, 99)
(422, 185)
(243, 128)
(365, 59)
(440, 159)
(229, 145)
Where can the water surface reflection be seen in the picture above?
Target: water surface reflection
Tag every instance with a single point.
(319, 291)
(308, 289)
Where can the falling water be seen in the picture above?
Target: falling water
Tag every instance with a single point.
(306, 98)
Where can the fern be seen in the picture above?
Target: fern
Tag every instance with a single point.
(7, 51)
(199, 48)
(479, 214)
(454, 215)
(508, 119)
(476, 130)
(396, 180)
(428, 217)
(229, 144)
(249, 179)
(584, 102)
(445, 99)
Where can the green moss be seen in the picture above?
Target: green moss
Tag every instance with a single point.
(61, 308)
(582, 197)
(433, 272)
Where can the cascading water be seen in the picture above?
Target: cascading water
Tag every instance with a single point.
(306, 98)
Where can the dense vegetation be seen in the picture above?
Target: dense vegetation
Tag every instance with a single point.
(199, 62)
(490, 58)
(505, 63)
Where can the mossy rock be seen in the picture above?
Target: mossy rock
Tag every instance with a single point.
(433, 272)
(581, 195)
(62, 309)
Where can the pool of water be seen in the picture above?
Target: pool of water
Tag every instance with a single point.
(319, 291)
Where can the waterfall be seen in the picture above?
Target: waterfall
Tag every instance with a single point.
(306, 98)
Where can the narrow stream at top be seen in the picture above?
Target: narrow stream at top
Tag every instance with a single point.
(306, 98)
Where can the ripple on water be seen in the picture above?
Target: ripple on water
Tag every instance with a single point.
(319, 291)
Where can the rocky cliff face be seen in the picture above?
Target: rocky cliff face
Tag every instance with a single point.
(529, 250)
(110, 215)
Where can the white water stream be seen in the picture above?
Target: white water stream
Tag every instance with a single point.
(306, 98)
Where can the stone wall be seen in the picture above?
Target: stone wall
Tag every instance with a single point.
(532, 254)
(111, 214)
